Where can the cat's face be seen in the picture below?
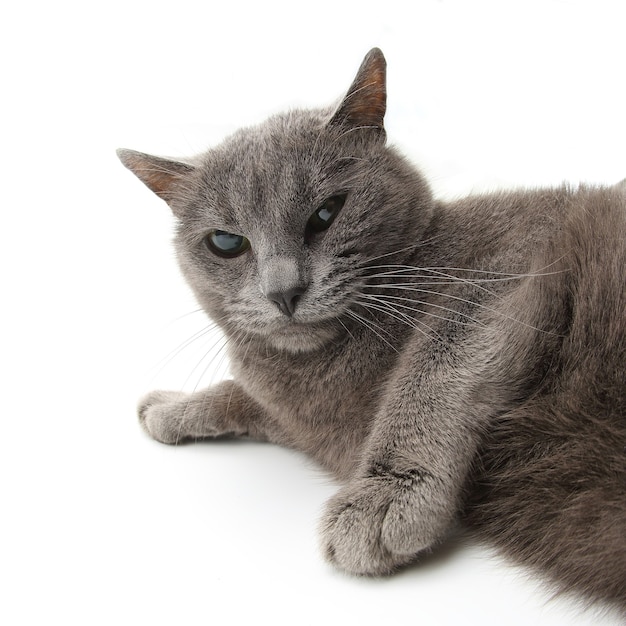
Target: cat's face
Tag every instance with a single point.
(278, 223)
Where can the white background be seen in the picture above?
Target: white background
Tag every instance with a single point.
(101, 525)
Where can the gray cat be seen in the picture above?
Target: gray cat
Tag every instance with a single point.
(445, 361)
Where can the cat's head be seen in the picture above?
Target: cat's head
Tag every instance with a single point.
(277, 224)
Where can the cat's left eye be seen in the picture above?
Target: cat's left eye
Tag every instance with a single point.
(325, 214)
(226, 244)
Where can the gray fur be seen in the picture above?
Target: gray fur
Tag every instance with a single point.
(494, 394)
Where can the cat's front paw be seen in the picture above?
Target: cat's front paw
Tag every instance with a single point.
(377, 524)
(161, 414)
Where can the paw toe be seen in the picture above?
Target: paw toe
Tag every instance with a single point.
(157, 413)
(352, 534)
(379, 525)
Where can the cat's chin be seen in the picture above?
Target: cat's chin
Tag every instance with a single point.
(302, 338)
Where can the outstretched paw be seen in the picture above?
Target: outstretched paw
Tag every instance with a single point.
(161, 414)
(377, 524)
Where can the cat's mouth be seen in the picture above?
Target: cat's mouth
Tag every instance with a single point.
(293, 335)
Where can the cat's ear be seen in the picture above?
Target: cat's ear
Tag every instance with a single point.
(366, 100)
(163, 176)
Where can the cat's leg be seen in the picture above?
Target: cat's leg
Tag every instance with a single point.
(406, 494)
(220, 410)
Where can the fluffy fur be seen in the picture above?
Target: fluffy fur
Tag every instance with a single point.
(445, 361)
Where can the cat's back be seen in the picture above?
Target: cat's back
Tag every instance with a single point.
(526, 221)
(567, 241)
(593, 247)
(553, 469)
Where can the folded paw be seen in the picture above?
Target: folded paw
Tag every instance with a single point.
(379, 523)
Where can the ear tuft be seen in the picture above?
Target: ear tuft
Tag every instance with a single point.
(162, 176)
(366, 101)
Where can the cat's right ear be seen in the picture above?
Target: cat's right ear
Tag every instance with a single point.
(166, 178)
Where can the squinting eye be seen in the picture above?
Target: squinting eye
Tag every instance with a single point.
(326, 214)
(226, 244)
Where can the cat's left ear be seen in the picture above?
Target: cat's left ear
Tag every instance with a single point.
(164, 177)
(366, 101)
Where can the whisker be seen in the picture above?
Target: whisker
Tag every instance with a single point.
(402, 271)
(388, 309)
(419, 244)
(473, 321)
(168, 358)
(219, 354)
(189, 314)
(476, 304)
(213, 354)
(372, 326)
(450, 279)
(345, 327)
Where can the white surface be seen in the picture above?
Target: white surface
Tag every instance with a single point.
(101, 525)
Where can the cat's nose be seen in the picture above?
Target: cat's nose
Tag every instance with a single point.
(286, 300)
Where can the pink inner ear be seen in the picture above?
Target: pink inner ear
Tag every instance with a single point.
(161, 183)
(160, 175)
(368, 107)
(366, 101)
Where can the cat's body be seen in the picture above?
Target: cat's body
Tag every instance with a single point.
(444, 360)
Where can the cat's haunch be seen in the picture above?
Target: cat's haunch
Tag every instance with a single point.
(445, 360)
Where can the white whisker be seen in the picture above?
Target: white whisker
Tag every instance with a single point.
(386, 298)
(388, 309)
(419, 244)
(372, 326)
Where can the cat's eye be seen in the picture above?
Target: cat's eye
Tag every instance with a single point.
(226, 244)
(325, 214)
